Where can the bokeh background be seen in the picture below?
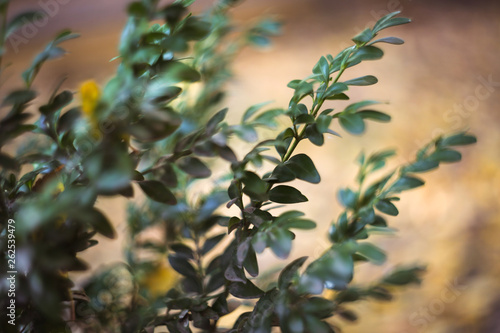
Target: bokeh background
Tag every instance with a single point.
(445, 78)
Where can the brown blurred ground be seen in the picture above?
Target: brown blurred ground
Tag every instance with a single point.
(434, 83)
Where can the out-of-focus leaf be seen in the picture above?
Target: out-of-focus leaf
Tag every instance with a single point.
(182, 266)
(352, 122)
(211, 242)
(374, 115)
(100, 223)
(406, 183)
(387, 207)
(446, 156)
(280, 241)
(373, 253)
(156, 191)
(459, 139)
(194, 167)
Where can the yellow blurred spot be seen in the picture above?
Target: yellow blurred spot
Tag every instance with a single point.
(90, 94)
(329, 294)
(159, 280)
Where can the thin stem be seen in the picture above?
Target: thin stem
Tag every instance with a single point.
(198, 257)
(317, 104)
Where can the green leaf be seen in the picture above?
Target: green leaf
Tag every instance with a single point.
(284, 139)
(182, 266)
(68, 120)
(304, 119)
(351, 108)
(314, 135)
(286, 194)
(211, 242)
(381, 156)
(371, 252)
(348, 198)
(8, 162)
(459, 139)
(374, 115)
(340, 96)
(259, 242)
(109, 168)
(363, 37)
(246, 132)
(390, 40)
(59, 101)
(268, 118)
(137, 9)
(215, 120)
(323, 123)
(252, 110)
(320, 307)
(366, 53)
(303, 168)
(246, 290)
(242, 251)
(177, 71)
(289, 215)
(234, 222)
(404, 275)
(250, 263)
(182, 250)
(317, 326)
(300, 224)
(406, 183)
(20, 20)
(282, 174)
(160, 95)
(421, 166)
(379, 293)
(333, 91)
(156, 191)
(51, 52)
(391, 22)
(352, 122)
(19, 97)
(334, 269)
(383, 20)
(255, 187)
(100, 223)
(446, 156)
(280, 241)
(387, 207)
(195, 28)
(324, 68)
(64, 36)
(362, 81)
(294, 84)
(235, 273)
(303, 88)
(155, 125)
(194, 167)
(348, 315)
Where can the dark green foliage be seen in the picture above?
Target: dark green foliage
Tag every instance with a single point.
(149, 130)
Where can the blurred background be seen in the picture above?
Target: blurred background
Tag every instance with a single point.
(445, 78)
